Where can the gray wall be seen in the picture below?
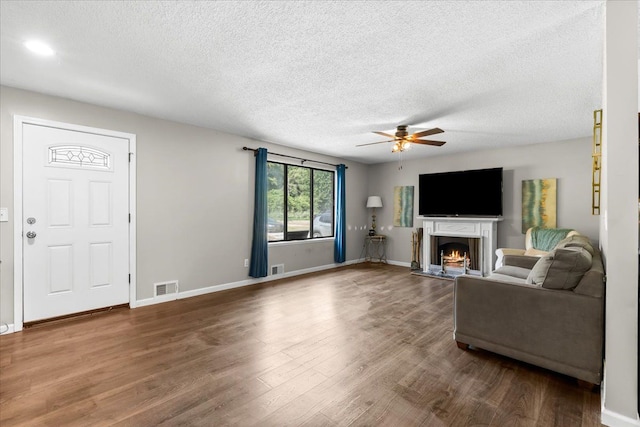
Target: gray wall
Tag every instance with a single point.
(185, 173)
(568, 161)
(194, 198)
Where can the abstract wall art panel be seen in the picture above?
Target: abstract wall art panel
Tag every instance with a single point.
(403, 206)
(539, 203)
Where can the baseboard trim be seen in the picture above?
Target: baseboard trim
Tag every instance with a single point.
(240, 284)
(613, 419)
(7, 328)
(156, 300)
(399, 263)
(609, 417)
(232, 285)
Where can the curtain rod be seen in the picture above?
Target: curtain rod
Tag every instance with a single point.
(292, 157)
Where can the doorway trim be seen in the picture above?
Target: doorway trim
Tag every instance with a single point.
(18, 284)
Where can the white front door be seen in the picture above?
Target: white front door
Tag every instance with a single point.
(75, 221)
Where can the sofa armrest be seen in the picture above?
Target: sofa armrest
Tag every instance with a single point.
(501, 252)
(562, 329)
(523, 261)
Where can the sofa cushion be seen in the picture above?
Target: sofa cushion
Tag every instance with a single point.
(522, 261)
(497, 277)
(592, 283)
(576, 241)
(513, 271)
(561, 268)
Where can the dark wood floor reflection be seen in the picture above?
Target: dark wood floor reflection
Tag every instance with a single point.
(361, 345)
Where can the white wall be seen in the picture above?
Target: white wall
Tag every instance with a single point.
(194, 198)
(568, 161)
(619, 219)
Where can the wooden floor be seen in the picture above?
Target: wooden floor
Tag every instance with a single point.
(362, 345)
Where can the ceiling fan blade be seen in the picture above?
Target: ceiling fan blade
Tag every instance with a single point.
(428, 142)
(384, 134)
(372, 143)
(427, 133)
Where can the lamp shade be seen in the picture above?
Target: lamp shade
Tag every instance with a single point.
(374, 202)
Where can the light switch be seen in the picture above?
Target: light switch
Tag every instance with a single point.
(4, 214)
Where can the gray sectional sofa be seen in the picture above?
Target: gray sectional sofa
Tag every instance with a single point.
(547, 311)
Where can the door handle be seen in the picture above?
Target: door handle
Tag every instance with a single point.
(31, 234)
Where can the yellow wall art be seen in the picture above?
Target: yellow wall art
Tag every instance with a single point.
(403, 206)
(539, 203)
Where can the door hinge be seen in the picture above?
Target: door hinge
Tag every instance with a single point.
(130, 154)
(129, 278)
(129, 218)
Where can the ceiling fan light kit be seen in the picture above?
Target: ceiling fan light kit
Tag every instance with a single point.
(400, 146)
(402, 140)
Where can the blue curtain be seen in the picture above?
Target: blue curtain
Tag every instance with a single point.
(259, 247)
(340, 243)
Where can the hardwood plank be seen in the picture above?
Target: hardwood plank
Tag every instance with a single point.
(302, 410)
(523, 401)
(318, 420)
(475, 412)
(257, 409)
(359, 345)
(589, 417)
(556, 410)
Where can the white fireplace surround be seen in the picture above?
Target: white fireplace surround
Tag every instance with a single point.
(484, 228)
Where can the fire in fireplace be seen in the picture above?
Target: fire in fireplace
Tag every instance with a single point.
(455, 258)
(456, 252)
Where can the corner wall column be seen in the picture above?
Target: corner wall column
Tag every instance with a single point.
(619, 213)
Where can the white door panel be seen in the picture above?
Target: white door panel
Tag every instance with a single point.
(76, 187)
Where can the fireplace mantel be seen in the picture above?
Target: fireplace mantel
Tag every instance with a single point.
(484, 228)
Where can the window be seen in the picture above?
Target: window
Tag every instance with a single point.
(305, 209)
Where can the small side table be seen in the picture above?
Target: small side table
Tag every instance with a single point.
(375, 248)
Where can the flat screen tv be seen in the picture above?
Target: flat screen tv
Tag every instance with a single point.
(462, 193)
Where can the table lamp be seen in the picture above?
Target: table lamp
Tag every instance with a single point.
(373, 202)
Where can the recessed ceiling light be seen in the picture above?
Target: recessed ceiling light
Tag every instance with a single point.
(39, 47)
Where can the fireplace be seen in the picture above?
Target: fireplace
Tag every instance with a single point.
(475, 236)
(459, 255)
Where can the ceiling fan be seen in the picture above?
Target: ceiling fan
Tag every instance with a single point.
(402, 140)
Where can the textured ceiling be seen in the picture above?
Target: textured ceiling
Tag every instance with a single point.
(322, 75)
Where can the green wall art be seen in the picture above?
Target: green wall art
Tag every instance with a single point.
(539, 203)
(403, 206)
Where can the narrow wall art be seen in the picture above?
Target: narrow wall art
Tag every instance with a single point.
(403, 206)
(539, 203)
